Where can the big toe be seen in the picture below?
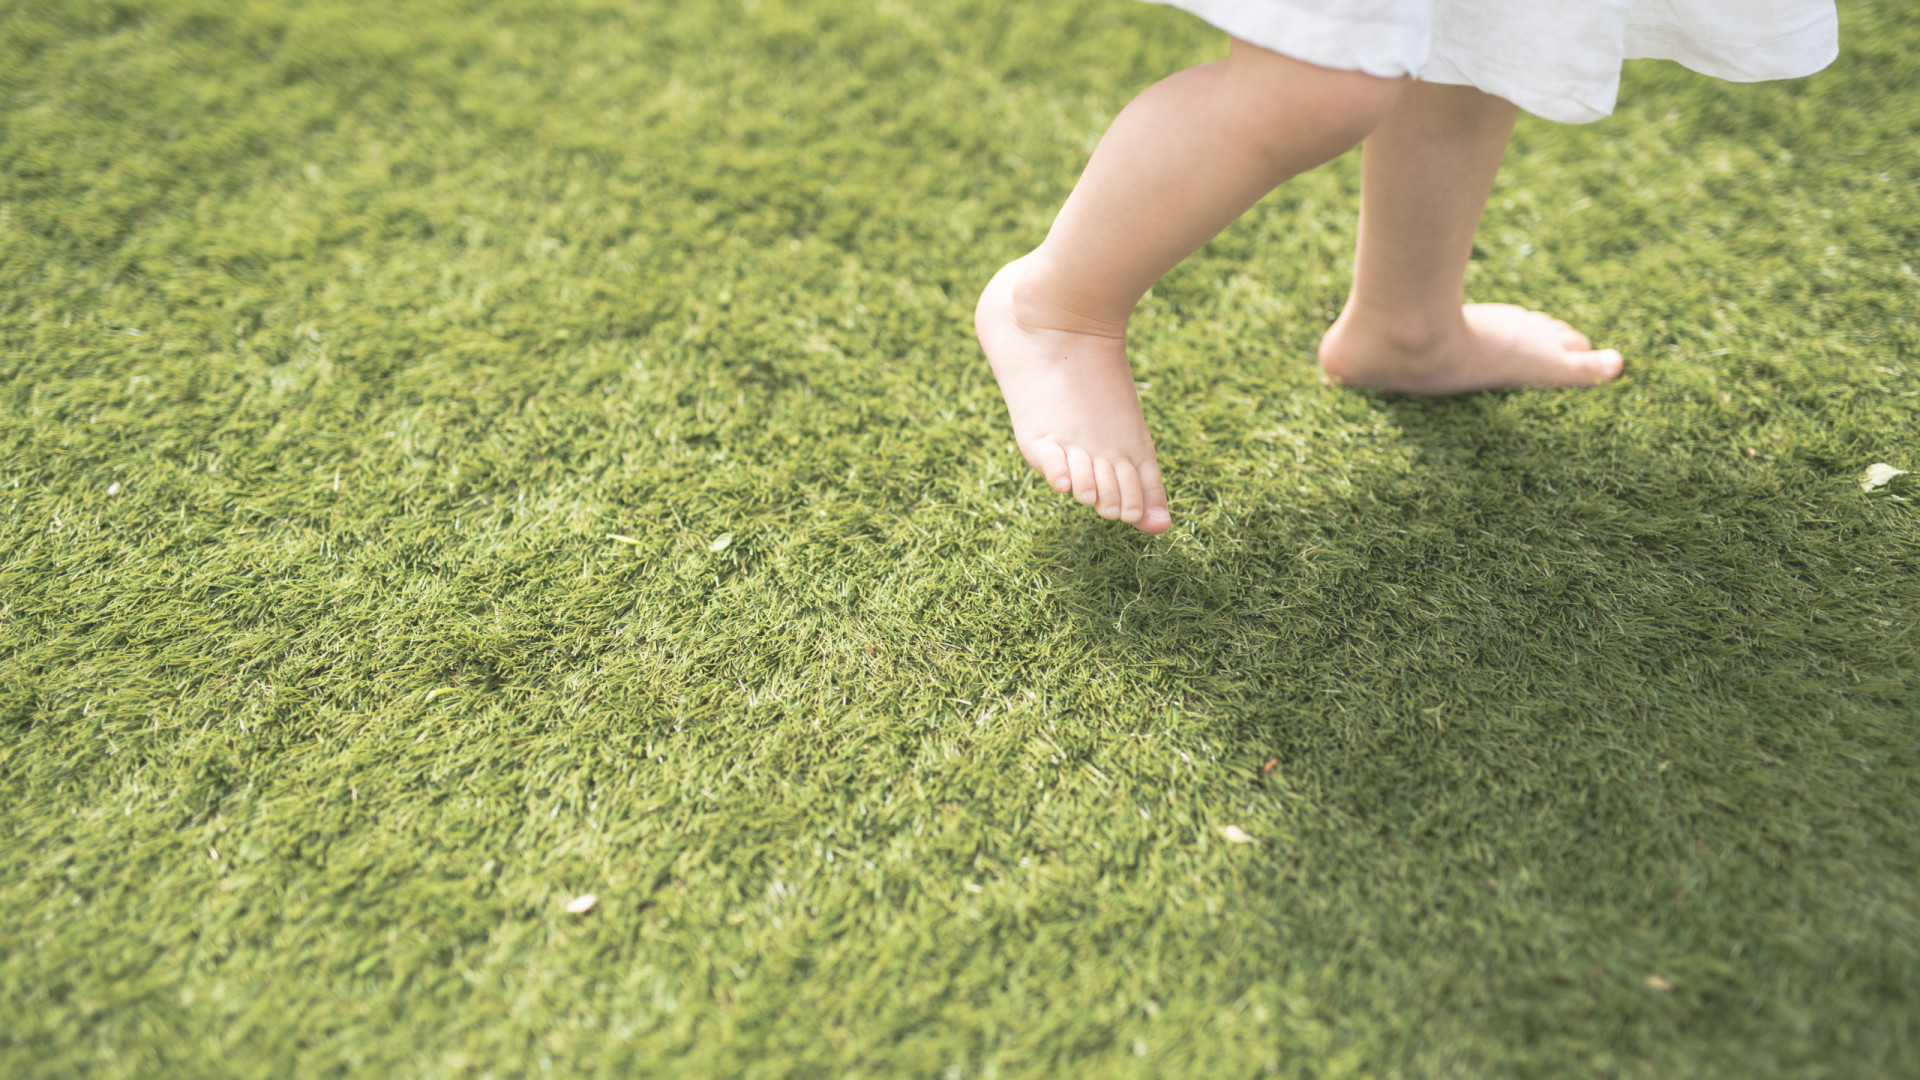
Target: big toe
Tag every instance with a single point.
(1154, 517)
(1601, 364)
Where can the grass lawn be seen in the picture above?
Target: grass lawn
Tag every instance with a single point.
(457, 456)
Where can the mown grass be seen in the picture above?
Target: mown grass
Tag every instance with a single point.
(455, 457)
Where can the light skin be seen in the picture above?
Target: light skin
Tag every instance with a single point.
(1185, 159)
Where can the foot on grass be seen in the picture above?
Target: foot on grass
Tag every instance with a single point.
(1076, 414)
(1492, 347)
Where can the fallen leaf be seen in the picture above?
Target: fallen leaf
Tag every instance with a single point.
(720, 542)
(1272, 763)
(1879, 475)
(1234, 834)
(582, 904)
(1660, 984)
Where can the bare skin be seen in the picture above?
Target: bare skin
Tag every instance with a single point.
(1425, 175)
(1484, 347)
(1076, 415)
(1180, 163)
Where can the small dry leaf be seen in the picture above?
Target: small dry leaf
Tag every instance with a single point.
(582, 904)
(720, 542)
(1272, 763)
(1660, 984)
(1234, 834)
(1879, 475)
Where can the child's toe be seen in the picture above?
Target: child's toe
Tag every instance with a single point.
(1109, 482)
(1080, 466)
(1051, 460)
(1154, 517)
(1132, 496)
(1599, 366)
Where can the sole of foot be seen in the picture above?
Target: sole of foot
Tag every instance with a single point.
(1494, 347)
(1071, 397)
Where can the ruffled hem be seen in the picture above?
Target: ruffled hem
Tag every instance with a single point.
(1558, 63)
(1385, 47)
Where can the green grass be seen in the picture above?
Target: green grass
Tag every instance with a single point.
(340, 341)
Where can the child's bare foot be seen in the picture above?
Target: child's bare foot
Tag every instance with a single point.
(1494, 346)
(1076, 415)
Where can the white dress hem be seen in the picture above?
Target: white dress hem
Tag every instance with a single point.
(1560, 62)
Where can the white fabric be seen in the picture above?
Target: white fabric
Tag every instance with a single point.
(1559, 59)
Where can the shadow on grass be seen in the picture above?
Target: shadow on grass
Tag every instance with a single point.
(1618, 676)
(1495, 569)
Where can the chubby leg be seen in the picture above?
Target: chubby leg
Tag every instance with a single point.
(1180, 163)
(1426, 172)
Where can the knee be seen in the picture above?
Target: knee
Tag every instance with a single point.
(1341, 107)
(1356, 103)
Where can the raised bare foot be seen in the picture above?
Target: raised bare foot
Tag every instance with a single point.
(1494, 346)
(1076, 415)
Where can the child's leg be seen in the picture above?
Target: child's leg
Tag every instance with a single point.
(1179, 164)
(1426, 172)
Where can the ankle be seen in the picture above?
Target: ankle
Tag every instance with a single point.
(1412, 333)
(1042, 302)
